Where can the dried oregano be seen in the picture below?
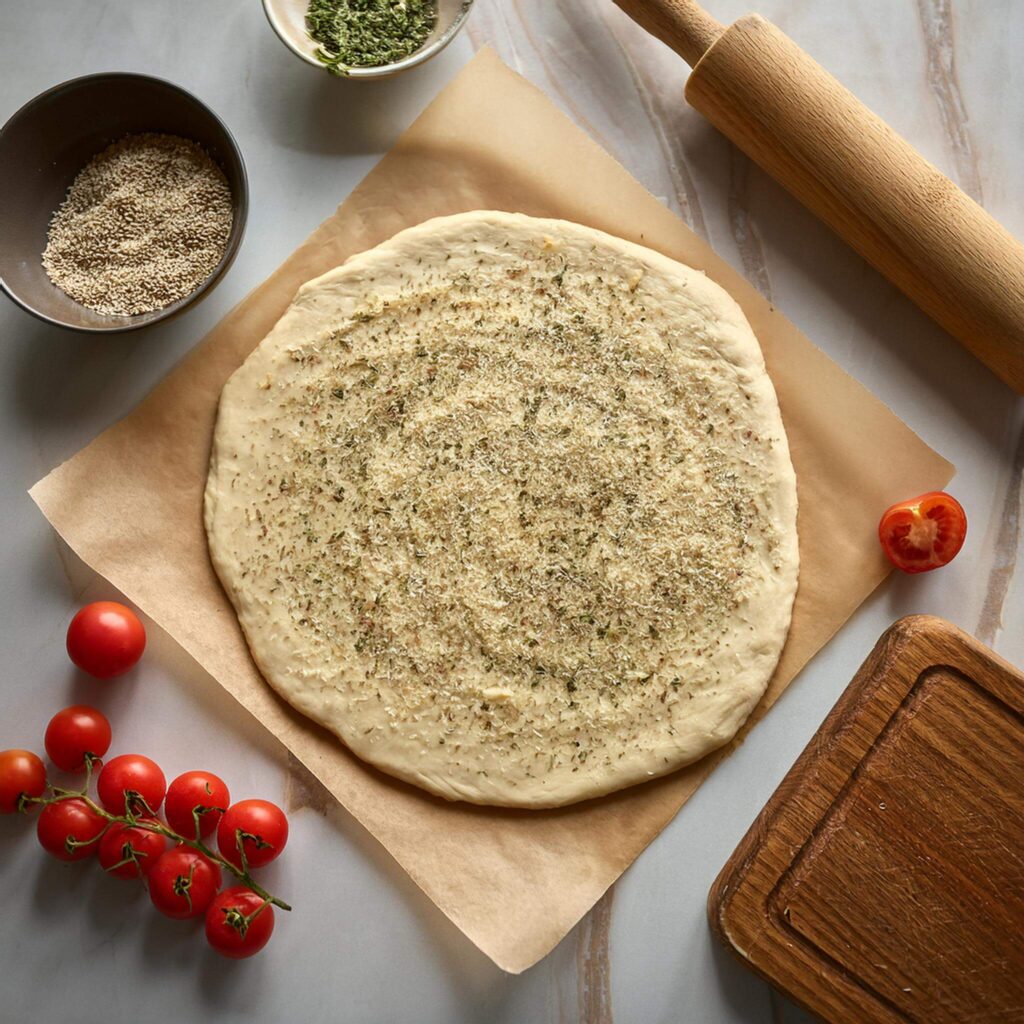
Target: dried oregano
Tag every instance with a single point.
(368, 33)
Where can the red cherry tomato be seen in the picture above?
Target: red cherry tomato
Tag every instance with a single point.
(182, 883)
(106, 639)
(238, 923)
(923, 533)
(130, 852)
(131, 783)
(202, 792)
(75, 732)
(260, 825)
(21, 771)
(69, 829)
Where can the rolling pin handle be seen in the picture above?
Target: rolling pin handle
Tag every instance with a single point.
(681, 24)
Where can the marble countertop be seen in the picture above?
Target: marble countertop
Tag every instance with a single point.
(364, 945)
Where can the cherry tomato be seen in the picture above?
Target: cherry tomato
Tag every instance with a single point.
(75, 732)
(69, 829)
(106, 639)
(21, 771)
(238, 923)
(131, 783)
(183, 883)
(260, 825)
(130, 852)
(923, 533)
(202, 792)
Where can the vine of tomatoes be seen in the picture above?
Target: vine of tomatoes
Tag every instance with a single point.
(121, 827)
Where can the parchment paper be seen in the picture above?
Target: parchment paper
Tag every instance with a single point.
(130, 505)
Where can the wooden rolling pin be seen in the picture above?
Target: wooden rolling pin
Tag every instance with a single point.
(850, 168)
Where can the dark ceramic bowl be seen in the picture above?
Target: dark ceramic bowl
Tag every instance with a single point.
(46, 143)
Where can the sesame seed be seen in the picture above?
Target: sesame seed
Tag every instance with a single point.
(143, 224)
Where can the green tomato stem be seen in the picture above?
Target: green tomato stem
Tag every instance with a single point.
(152, 825)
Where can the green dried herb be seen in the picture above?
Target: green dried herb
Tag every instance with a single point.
(368, 33)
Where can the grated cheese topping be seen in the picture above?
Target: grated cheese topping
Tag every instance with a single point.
(498, 521)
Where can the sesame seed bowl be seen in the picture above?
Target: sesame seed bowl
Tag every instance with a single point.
(45, 145)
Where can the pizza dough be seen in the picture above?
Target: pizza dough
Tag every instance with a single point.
(507, 505)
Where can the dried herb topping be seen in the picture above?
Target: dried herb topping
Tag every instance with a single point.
(368, 33)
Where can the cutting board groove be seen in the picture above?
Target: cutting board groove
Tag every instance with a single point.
(884, 880)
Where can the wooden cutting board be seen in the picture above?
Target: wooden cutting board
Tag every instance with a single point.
(884, 880)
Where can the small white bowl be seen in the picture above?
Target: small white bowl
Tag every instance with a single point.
(288, 20)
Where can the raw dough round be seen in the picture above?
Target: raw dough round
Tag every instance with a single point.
(507, 505)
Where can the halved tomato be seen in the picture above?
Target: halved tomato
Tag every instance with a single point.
(923, 533)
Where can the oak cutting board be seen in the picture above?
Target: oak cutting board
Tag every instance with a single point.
(884, 880)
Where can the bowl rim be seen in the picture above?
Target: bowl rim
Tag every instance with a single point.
(420, 56)
(240, 204)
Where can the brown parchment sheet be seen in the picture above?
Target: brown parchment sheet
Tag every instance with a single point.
(130, 505)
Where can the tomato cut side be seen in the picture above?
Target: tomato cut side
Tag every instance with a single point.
(923, 533)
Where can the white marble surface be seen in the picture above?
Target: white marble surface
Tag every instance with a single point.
(363, 945)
